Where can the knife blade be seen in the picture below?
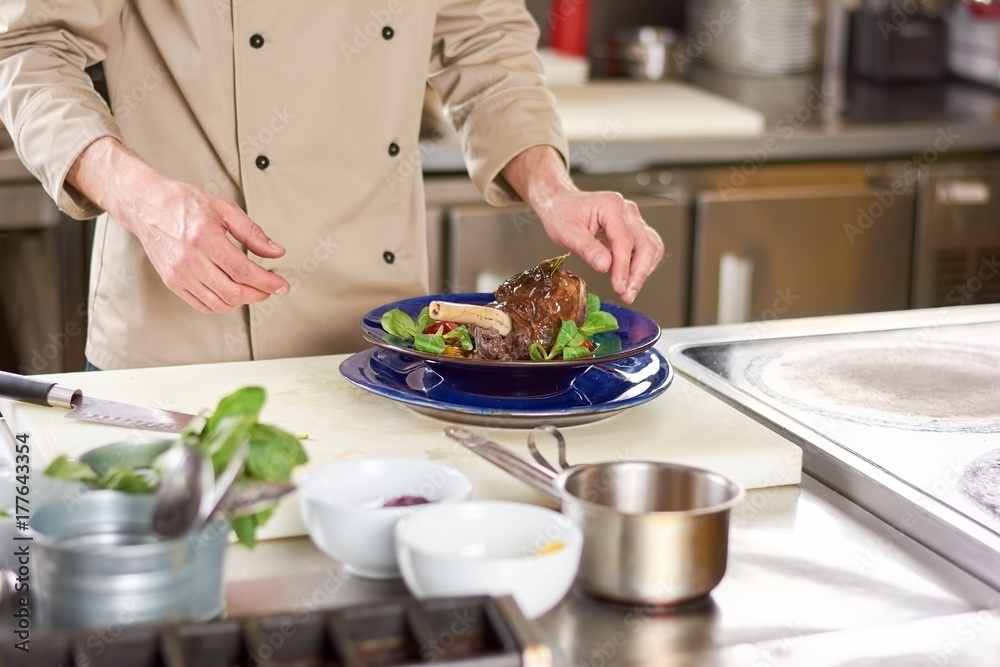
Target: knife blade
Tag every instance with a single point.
(55, 395)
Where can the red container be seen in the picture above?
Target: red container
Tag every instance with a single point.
(569, 26)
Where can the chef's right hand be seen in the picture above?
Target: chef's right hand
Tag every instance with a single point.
(184, 229)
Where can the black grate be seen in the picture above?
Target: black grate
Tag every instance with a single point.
(453, 632)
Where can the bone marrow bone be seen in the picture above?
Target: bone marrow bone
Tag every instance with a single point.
(486, 317)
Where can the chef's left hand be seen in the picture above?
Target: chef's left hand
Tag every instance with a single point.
(604, 228)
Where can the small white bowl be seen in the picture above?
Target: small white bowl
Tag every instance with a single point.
(342, 504)
(489, 547)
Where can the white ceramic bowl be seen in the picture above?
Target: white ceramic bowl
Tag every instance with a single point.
(489, 547)
(342, 504)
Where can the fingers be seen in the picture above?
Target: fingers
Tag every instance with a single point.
(247, 232)
(619, 226)
(193, 301)
(244, 271)
(646, 258)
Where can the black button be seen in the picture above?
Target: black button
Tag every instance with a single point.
(262, 162)
(256, 41)
(388, 257)
(393, 149)
(387, 32)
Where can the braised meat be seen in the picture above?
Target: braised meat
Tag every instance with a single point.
(537, 301)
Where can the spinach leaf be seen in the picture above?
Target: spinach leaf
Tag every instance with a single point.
(593, 303)
(599, 322)
(430, 343)
(424, 319)
(397, 323)
(460, 337)
(575, 352)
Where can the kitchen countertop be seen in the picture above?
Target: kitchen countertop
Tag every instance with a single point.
(805, 564)
(812, 579)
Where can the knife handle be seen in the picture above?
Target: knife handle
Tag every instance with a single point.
(39, 392)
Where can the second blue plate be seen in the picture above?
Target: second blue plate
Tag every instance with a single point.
(603, 390)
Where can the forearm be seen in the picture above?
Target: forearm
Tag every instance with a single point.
(112, 177)
(538, 175)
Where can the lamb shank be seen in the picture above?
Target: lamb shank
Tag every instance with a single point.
(528, 308)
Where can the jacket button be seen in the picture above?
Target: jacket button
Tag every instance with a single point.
(388, 257)
(256, 41)
(387, 33)
(393, 149)
(262, 162)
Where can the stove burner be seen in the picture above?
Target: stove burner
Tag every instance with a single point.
(980, 482)
(925, 388)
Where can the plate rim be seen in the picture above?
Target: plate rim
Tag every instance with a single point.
(646, 344)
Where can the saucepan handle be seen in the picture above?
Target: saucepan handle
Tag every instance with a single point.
(537, 455)
(539, 478)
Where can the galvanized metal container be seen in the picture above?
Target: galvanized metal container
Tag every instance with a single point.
(97, 564)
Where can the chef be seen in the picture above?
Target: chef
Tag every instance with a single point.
(253, 179)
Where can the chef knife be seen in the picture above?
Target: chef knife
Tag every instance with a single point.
(52, 394)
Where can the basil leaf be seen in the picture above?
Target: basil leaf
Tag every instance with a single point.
(245, 527)
(536, 352)
(599, 322)
(430, 343)
(273, 454)
(606, 343)
(575, 352)
(577, 340)
(460, 336)
(566, 333)
(247, 401)
(398, 323)
(74, 471)
(424, 319)
(593, 303)
(124, 478)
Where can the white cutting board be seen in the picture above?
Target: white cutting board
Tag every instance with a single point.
(685, 425)
(635, 111)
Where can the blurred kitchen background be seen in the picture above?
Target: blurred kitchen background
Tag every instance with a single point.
(798, 157)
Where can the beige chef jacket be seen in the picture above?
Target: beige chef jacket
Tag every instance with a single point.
(306, 112)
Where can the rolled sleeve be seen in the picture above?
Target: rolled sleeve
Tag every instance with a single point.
(47, 100)
(485, 68)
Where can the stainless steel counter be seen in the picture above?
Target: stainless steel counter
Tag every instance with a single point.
(804, 561)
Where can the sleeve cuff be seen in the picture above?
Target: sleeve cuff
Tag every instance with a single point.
(50, 134)
(503, 127)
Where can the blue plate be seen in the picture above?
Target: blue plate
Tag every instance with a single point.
(600, 391)
(636, 332)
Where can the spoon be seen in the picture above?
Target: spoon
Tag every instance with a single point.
(225, 481)
(185, 491)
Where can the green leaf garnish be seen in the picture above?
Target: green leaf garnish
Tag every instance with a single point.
(593, 303)
(398, 323)
(575, 352)
(599, 322)
(424, 319)
(430, 343)
(460, 337)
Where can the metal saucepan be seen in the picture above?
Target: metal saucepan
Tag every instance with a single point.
(654, 533)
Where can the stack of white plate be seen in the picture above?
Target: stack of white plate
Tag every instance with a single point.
(754, 36)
